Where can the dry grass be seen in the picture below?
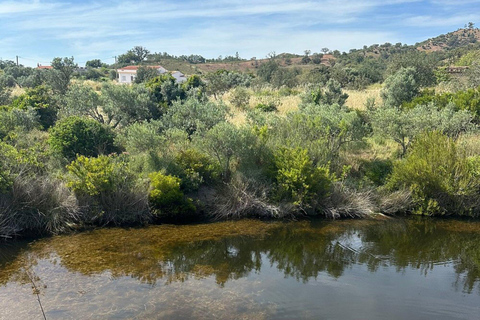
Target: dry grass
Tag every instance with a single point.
(17, 91)
(358, 98)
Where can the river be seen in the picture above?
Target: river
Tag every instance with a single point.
(352, 269)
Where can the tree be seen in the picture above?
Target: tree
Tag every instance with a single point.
(325, 50)
(87, 137)
(145, 73)
(194, 116)
(424, 65)
(331, 94)
(222, 80)
(62, 73)
(403, 126)
(135, 55)
(124, 105)
(40, 100)
(400, 87)
(225, 143)
(95, 63)
(82, 100)
(165, 90)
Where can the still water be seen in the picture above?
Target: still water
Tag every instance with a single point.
(369, 269)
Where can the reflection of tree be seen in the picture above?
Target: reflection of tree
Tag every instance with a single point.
(232, 250)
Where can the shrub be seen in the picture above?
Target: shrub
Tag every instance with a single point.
(195, 169)
(240, 98)
(40, 100)
(441, 180)
(331, 94)
(167, 200)
(298, 179)
(107, 189)
(87, 137)
(36, 205)
(377, 170)
(400, 87)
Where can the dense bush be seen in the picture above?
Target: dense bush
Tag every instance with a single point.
(402, 125)
(441, 179)
(195, 169)
(299, 180)
(107, 190)
(87, 137)
(40, 100)
(167, 199)
(400, 87)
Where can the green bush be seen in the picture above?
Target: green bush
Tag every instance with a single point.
(442, 180)
(195, 169)
(87, 137)
(107, 190)
(298, 179)
(167, 200)
(266, 107)
(377, 171)
(40, 100)
(240, 98)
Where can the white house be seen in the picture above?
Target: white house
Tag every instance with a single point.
(129, 73)
(179, 77)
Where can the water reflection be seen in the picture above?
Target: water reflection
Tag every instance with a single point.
(164, 255)
(232, 250)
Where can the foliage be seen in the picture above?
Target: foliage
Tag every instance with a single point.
(123, 105)
(403, 126)
(40, 100)
(195, 169)
(221, 81)
(240, 98)
(14, 121)
(145, 74)
(61, 74)
(323, 130)
(141, 137)
(95, 63)
(87, 137)
(226, 144)
(165, 90)
(166, 198)
(298, 179)
(194, 116)
(441, 179)
(107, 188)
(421, 64)
(400, 87)
(133, 56)
(331, 94)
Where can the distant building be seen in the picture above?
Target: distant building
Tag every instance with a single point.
(454, 69)
(39, 66)
(129, 73)
(179, 77)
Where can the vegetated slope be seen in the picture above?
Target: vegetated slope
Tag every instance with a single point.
(452, 40)
(466, 38)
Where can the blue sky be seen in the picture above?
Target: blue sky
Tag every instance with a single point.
(38, 30)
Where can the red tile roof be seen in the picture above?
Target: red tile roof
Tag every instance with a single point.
(44, 67)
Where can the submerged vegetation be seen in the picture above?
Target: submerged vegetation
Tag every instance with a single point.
(283, 142)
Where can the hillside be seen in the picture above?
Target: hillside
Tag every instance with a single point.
(453, 40)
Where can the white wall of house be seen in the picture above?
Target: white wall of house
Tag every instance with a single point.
(127, 76)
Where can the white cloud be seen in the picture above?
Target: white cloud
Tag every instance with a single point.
(15, 7)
